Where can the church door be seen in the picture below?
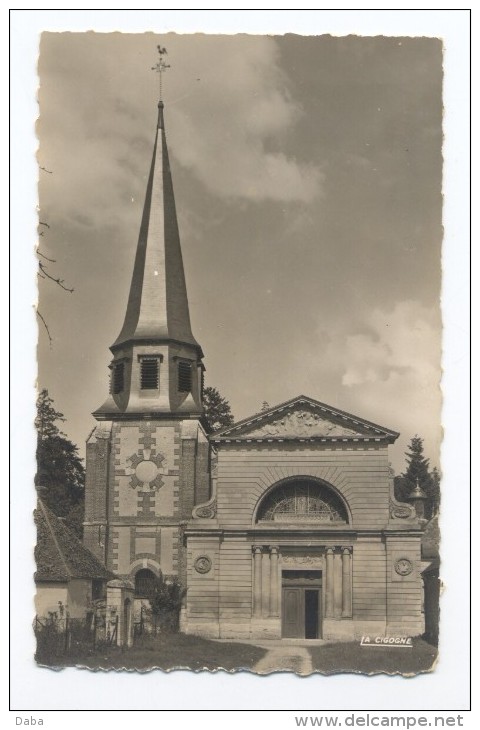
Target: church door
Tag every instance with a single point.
(293, 611)
(301, 604)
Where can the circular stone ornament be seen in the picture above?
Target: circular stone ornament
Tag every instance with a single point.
(203, 564)
(146, 471)
(403, 566)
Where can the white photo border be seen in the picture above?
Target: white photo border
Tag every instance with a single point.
(40, 689)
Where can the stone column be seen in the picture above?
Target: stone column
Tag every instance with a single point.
(337, 585)
(329, 585)
(346, 582)
(257, 580)
(274, 580)
(265, 584)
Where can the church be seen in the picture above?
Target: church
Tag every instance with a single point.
(283, 525)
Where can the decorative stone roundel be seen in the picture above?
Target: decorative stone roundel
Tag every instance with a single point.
(403, 566)
(203, 564)
(146, 471)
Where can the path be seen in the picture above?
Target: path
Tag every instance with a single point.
(285, 659)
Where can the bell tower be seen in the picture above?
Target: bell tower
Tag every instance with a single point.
(147, 459)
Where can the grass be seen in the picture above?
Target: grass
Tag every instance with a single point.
(168, 651)
(351, 657)
(177, 651)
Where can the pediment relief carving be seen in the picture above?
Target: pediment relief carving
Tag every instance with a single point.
(301, 423)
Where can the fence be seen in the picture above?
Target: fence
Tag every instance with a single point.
(59, 636)
(147, 623)
(62, 635)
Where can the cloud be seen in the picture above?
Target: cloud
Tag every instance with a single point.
(383, 365)
(398, 343)
(391, 370)
(229, 127)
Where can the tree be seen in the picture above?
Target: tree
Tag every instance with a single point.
(433, 492)
(418, 471)
(60, 476)
(166, 601)
(217, 409)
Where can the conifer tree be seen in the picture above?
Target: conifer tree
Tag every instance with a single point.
(60, 477)
(417, 464)
(217, 409)
(418, 471)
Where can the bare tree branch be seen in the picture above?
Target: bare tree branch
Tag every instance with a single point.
(43, 273)
(46, 328)
(39, 253)
(60, 282)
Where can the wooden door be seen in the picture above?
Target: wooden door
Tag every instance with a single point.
(293, 613)
(302, 604)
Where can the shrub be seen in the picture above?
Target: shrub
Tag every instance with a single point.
(165, 603)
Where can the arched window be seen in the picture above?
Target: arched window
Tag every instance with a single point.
(145, 581)
(302, 500)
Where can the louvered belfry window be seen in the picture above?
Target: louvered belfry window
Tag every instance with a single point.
(184, 377)
(118, 377)
(149, 373)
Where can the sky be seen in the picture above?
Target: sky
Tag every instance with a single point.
(307, 175)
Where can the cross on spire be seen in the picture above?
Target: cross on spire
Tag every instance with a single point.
(160, 67)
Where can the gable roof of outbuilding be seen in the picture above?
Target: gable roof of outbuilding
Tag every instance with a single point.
(59, 554)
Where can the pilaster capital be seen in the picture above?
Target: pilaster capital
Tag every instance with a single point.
(346, 550)
(330, 550)
(257, 549)
(274, 549)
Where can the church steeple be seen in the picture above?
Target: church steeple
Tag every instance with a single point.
(157, 305)
(157, 366)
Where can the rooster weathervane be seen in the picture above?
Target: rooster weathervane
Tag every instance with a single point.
(160, 67)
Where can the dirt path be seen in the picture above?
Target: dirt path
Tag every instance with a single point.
(285, 659)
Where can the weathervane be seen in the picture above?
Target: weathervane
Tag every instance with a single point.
(161, 67)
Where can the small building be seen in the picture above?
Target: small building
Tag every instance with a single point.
(68, 577)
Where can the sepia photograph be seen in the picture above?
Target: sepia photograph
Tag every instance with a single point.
(239, 353)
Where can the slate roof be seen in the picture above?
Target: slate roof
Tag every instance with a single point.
(59, 554)
(157, 306)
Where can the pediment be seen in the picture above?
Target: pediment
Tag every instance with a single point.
(303, 418)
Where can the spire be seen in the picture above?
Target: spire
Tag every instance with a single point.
(157, 369)
(157, 306)
(161, 121)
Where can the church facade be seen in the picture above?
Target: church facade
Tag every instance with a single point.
(282, 525)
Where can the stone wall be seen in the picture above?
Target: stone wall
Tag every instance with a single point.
(142, 478)
(359, 473)
(362, 590)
